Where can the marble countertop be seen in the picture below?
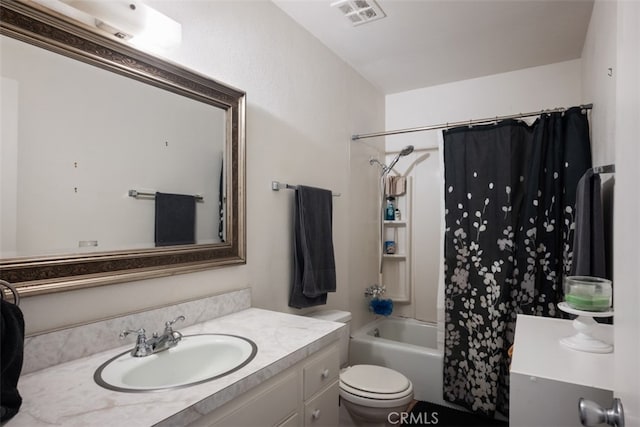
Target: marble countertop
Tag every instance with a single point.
(66, 394)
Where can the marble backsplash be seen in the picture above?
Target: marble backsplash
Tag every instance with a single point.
(53, 348)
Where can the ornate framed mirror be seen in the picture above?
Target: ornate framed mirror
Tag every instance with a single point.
(70, 220)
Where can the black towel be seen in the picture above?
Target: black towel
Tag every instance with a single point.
(11, 356)
(588, 239)
(314, 264)
(175, 219)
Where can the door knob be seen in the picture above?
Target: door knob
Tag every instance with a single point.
(592, 414)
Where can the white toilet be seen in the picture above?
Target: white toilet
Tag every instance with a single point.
(369, 393)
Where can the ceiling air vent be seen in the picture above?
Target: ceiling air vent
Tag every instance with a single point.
(359, 12)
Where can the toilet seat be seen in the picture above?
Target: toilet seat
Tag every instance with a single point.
(375, 386)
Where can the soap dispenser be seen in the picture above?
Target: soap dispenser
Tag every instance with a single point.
(390, 211)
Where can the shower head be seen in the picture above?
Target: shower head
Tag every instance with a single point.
(385, 169)
(404, 152)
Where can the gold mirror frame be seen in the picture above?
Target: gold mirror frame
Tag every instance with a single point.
(38, 275)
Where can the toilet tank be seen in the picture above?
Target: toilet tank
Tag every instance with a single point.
(340, 317)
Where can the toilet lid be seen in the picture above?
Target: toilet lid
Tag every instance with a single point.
(374, 379)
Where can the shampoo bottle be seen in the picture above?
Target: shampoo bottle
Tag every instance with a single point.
(390, 211)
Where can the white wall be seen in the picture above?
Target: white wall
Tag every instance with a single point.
(8, 165)
(532, 89)
(627, 211)
(613, 42)
(599, 79)
(303, 104)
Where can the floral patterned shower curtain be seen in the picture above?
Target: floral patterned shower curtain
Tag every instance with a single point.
(509, 204)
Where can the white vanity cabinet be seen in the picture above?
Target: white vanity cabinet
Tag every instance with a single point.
(320, 384)
(547, 378)
(304, 395)
(291, 382)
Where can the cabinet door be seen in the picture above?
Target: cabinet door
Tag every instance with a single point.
(269, 408)
(542, 402)
(323, 409)
(292, 421)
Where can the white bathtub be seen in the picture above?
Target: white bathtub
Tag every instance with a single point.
(407, 346)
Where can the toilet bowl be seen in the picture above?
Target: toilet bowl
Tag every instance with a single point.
(369, 392)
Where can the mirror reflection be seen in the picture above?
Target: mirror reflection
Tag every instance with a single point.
(76, 139)
(87, 122)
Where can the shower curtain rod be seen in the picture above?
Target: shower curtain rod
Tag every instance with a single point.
(468, 123)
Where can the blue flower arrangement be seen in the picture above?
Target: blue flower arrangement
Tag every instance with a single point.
(382, 307)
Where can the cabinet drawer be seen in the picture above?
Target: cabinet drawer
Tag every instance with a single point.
(323, 409)
(321, 371)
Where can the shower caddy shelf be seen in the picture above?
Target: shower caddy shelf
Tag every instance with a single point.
(396, 224)
(394, 256)
(396, 272)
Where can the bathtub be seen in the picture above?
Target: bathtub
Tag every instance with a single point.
(407, 346)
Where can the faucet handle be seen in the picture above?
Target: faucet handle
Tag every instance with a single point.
(168, 330)
(167, 325)
(140, 332)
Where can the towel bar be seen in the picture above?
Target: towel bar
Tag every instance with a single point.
(604, 169)
(277, 186)
(140, 195)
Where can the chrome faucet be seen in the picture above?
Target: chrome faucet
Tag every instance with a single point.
(142, 348)
(157, 343)
(169, 337)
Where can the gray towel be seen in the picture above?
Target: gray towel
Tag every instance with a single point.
(175, 219)
(314, 264)
(588, 239)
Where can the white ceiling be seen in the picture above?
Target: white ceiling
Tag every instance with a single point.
(429, 42)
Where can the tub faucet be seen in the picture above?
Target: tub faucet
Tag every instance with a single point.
(157, 343)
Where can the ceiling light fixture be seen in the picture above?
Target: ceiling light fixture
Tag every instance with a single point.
(359, 12)
(130, 20)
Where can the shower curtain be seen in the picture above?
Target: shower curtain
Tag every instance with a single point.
(509, 203)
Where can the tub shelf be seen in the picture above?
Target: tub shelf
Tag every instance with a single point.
(396, 267)
(395, 256)
(395, 223)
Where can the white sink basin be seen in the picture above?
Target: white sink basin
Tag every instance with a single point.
(196, 359)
